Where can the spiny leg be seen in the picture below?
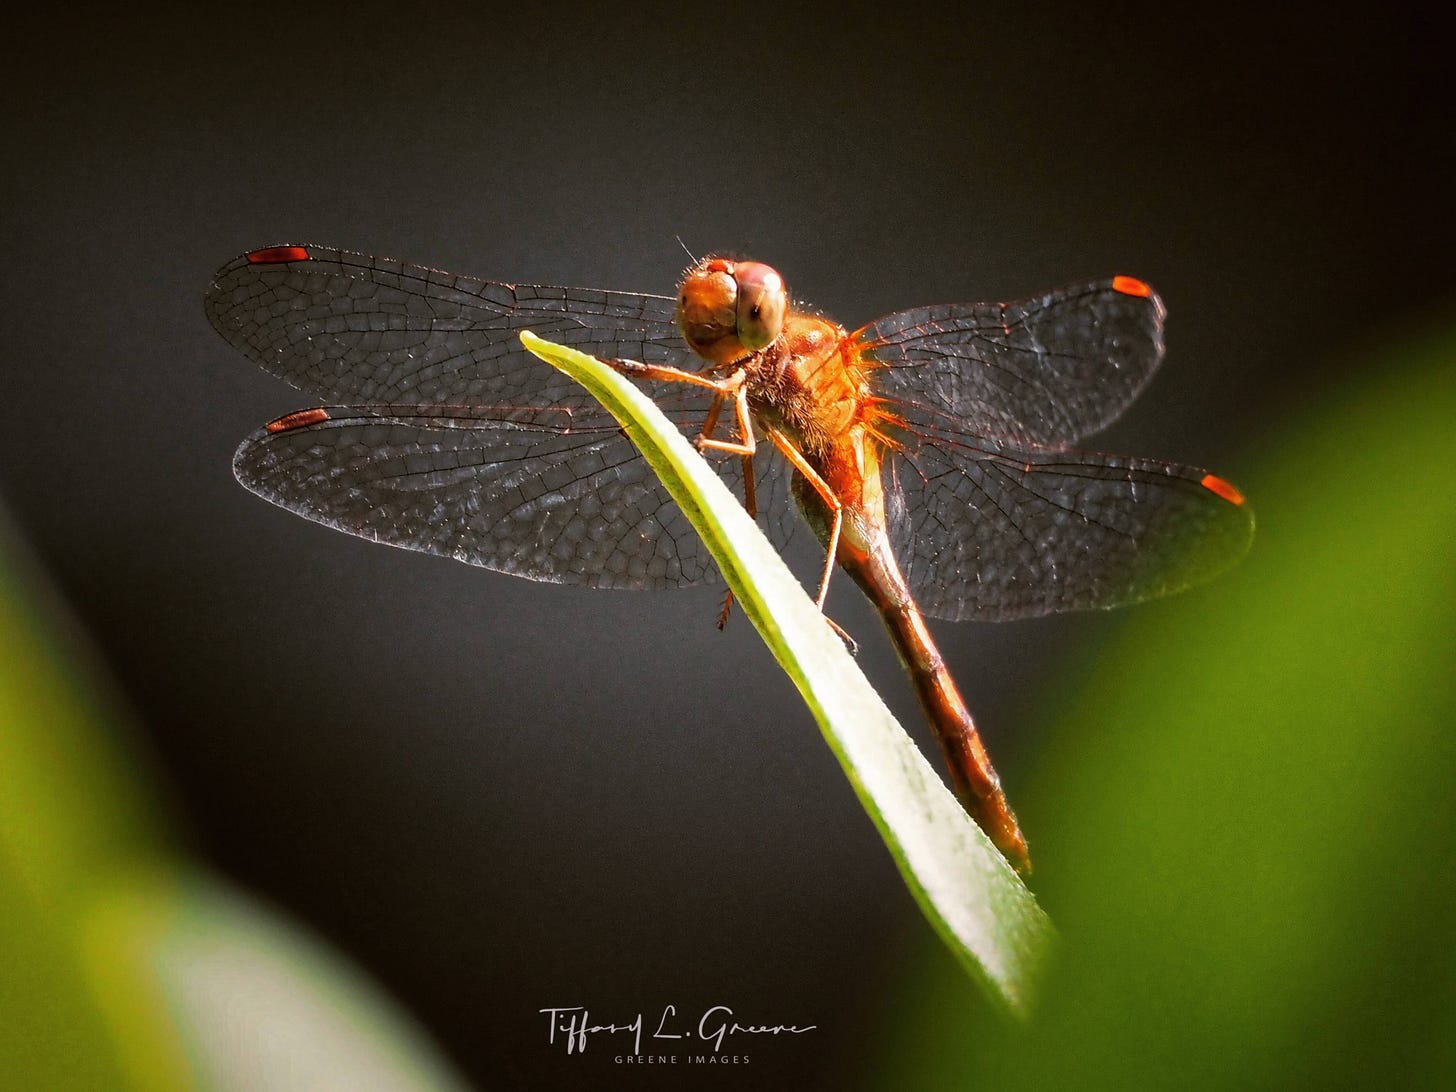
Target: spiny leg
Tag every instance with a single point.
(667, 374)
(836, 509)
(820, 486)
(735, 386)
(745, 448)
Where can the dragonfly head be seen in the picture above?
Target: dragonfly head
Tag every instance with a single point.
(728, 309)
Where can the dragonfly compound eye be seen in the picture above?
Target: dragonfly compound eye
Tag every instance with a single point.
(707, 312)
(762, 302)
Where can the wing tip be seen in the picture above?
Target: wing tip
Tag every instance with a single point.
(277, 255)
(1221, 488)
(1131, 286)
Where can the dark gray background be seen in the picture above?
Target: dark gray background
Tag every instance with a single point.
(500, 796)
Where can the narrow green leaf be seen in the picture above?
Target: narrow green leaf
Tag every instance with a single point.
(964, 886)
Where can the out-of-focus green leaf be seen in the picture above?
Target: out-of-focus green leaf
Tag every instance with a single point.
(1246, 814)
(125, 966)
(964, 886)
(77, 1008)
(262, 1005)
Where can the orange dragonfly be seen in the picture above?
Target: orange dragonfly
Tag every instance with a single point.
(929, 451)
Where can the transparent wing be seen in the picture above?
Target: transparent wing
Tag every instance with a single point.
(459, 442)
(520, 492)
(999, 534)
(354, 329)
(1042, 372)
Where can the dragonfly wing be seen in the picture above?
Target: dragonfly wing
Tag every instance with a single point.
(995, 535)
(522, 494)
(352, 328)
(1042, 372)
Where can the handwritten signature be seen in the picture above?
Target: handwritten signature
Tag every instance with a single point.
(573, 1025)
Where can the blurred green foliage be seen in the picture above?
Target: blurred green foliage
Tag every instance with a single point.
(78, 845)
(1245, 816)
(126, 966)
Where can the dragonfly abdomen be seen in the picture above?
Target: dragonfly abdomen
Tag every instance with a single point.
(973, 778)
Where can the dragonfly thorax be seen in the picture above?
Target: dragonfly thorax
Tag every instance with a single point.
(804, 385)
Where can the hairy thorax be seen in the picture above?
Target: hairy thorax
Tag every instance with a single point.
(811, 386)
(807, 385)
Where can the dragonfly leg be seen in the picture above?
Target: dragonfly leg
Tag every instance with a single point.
(836, 509)
(735, 386)
(850, 644)
(750, 485)
(665, 374)
(745, 445)
(710, 422)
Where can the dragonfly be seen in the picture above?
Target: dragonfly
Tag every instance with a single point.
(931, 452)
